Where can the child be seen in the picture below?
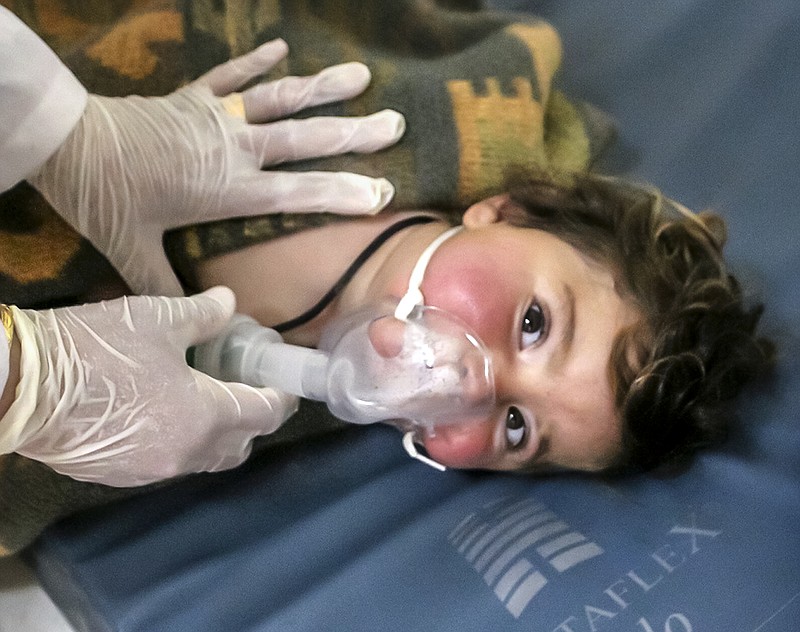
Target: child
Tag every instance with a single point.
(616, 331)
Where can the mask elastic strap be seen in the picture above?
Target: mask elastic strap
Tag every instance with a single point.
(413, 296)
(411, 449)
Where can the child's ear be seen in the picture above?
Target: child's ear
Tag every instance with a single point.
(485, 212)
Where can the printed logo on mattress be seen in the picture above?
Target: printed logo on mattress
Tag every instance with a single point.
(649, 577)
(515, 544)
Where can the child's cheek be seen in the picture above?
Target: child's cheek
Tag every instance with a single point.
(477, 295)
(469, 446)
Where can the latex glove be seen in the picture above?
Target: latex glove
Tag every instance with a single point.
(134, 167)
(106, 395)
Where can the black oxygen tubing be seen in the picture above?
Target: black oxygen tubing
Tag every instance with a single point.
(359, 261)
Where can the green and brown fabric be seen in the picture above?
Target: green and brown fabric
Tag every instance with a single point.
(476, 88)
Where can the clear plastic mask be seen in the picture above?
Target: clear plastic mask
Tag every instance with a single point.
(419, 373)
(419, 367)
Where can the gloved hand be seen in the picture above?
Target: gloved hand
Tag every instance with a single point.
(106, 395)
(134, 167)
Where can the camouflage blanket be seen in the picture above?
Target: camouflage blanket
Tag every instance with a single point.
(476, 88)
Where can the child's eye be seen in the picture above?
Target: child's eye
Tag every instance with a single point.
(516, 428)
(534, 325)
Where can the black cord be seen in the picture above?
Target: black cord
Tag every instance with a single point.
(359, 261)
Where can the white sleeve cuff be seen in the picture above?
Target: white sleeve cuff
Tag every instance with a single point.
(42, 101)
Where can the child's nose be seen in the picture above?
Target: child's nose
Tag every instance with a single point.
(466, 445)
(386, 336)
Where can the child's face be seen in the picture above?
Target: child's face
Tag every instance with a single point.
(549, 316)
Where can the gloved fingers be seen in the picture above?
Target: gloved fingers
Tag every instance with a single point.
(195, 319)
(232, 74)
(342, 193)
(245, 411)
(277, 99)
(298, 139)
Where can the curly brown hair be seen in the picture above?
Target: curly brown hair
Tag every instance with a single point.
(675, 373)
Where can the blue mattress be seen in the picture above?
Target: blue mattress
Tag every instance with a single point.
(349, 534)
